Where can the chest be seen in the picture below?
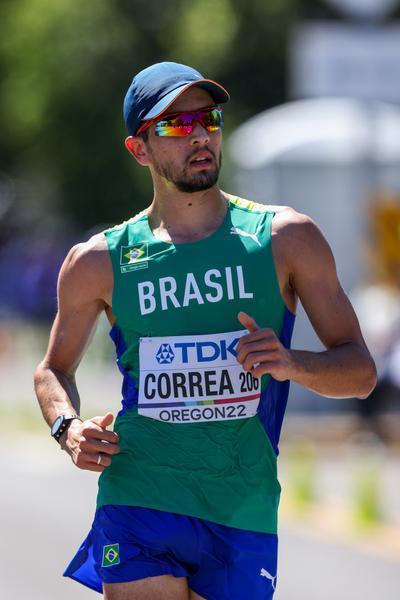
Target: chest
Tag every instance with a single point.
(196, 288)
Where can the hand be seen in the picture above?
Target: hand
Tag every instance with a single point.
(260, 352)
(89, 443)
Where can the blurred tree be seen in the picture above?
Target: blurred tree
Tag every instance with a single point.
(58, 61)
(65, 68)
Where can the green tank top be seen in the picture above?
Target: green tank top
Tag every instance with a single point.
(198, 435)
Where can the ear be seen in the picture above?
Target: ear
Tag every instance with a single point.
(137, 147)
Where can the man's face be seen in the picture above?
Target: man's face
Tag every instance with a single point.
(190, 163)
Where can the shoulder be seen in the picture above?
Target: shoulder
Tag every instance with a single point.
(89, 255)
(87, 268)
(288, 219)
(299, 245)
(295, 228)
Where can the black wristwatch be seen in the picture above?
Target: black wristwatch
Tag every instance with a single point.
(61, 424)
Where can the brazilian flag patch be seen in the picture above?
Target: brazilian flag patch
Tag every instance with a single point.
(134, 257)
(110, 555)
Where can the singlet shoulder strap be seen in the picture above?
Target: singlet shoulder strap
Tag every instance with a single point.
(248, 205)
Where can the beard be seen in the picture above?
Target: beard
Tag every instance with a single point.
(186, 182)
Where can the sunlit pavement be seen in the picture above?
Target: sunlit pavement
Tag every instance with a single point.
(47, 506)
(318, 569)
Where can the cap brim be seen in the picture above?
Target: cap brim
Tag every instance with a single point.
(219, 94)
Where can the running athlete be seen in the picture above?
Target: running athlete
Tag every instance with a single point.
(200, 290)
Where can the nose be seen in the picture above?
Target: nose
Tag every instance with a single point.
(199, 135)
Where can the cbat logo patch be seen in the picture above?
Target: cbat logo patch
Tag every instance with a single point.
(110, 555)
(134, 257)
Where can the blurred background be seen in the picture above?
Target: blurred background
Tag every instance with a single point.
(314, 122)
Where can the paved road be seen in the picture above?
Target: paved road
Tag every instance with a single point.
(46, 507)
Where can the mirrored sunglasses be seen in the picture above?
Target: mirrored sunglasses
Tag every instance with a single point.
(182, 123)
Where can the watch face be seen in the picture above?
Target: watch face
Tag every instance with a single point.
(56, 425)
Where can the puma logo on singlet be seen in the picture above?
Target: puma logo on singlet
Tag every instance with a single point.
(264, 573)
(253, 236)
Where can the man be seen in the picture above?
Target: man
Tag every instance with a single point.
(201, 291)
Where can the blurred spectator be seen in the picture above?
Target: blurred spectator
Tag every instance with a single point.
(378, 308)
(33, 244)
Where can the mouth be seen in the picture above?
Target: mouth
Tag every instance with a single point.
(201, 159)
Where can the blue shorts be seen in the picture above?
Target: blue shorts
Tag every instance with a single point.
(221, 563)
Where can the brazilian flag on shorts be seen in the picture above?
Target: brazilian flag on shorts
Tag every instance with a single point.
(110, 555)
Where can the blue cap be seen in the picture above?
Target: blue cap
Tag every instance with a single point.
(154, 89)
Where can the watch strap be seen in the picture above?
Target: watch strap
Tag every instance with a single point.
(64, 424)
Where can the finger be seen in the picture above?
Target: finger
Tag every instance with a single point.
(254, 359)
(90, 461)
(92, 446)
(261, 345)
(261, 335)
(265, 368)
(92, 467)
(104, 421)
(91, 431)
(100, 423)
(247, 321)
(102, 460)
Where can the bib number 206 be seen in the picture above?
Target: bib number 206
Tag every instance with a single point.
(248, 383)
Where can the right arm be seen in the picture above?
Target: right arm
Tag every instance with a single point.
(84, 288)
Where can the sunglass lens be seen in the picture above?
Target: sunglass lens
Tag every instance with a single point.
(182, 124)
(212, 120)
(174, 127)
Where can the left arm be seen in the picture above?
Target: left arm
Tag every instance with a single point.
(345, 368)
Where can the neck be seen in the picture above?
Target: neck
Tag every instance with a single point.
(181, 217)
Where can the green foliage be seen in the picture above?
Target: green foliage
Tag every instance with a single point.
(51, 51)
(301, 475)
(65, 68)
(205, 34)
(367, 501)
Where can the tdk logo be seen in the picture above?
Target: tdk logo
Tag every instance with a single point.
(205, 351)
(165, 354)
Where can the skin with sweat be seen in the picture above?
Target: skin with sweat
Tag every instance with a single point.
(305, 268)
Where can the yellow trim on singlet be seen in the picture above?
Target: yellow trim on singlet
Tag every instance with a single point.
(247, 204)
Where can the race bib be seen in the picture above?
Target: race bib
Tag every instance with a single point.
(188, 379)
